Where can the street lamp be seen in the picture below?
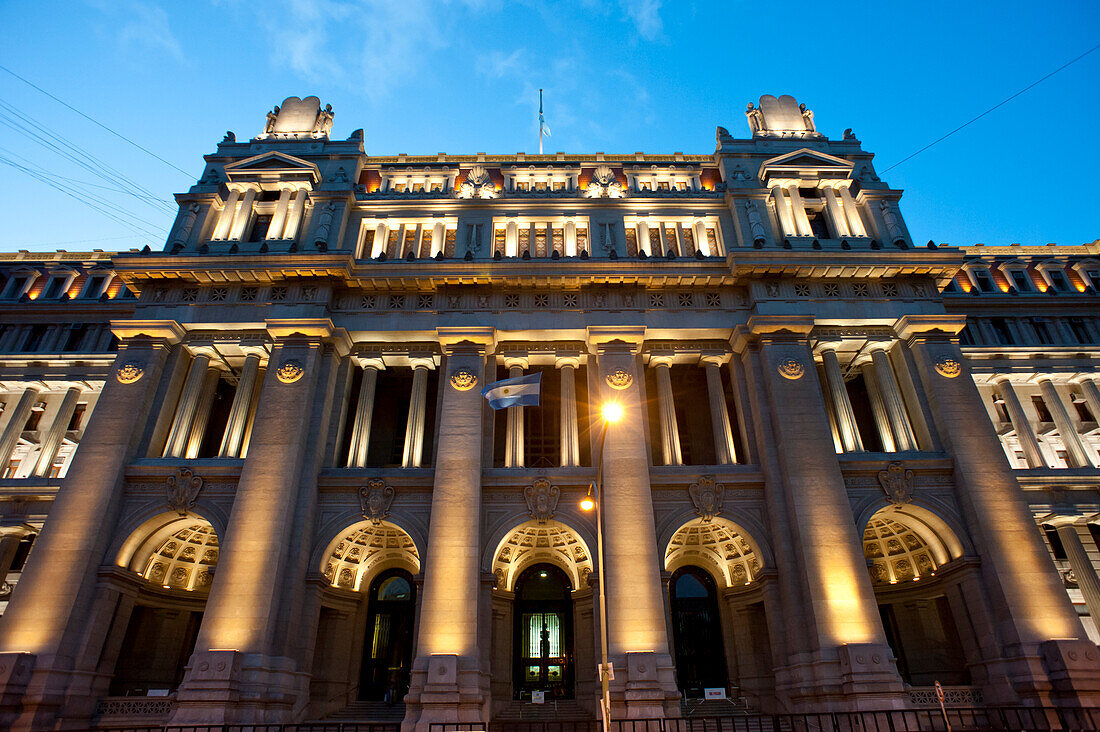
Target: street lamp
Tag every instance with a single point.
(611, 412)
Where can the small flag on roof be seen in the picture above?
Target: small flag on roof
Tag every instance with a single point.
(522, 391)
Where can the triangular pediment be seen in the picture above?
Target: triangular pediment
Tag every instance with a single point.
(804, 163)
(272, 165)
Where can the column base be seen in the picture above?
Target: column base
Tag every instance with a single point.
(441, 691)
(1073, 667)
(15, 678)
(852, 677)
(230, 687)
(645, 687)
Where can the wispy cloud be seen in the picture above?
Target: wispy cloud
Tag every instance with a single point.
(144, 26)
(645, 15)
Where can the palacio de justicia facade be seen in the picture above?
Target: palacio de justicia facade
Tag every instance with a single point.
(250, 475)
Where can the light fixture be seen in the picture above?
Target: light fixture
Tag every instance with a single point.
(588, 503)
(543, 574)
(612, 412)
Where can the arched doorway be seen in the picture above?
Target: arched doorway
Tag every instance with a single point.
(543, 633)
(388, 646)
(697, 632)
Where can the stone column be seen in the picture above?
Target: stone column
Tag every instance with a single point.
(513, 446)
(891, 397)
(44, 622)
(637, 642)
(225, 220)
(418, 404)
(570, 238)
(380, 240)
(244, 214)
(724, 451)
(1081, 565)
(202, 412)
(570, 439)
(882, 419)
(842, 406)
(1024, 433)
(511, 239)
(1075, 448)
(702, 241)
(836, 213)
(51, 443)
(242, 403)
(185, 409)
(9, 439)
(278, 219)
(450, 679)
(439, 238)
(364, 411)
(1034, 616)
(666, 409)
(851, 211)
(802, 223)
(783, 211)
(294, 216)
(1092, 395)
(644, 244)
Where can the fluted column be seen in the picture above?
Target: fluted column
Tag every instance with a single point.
(702, 241)
(9, 439)
(513, 444)
(240, 221)
(1083, 569)
(10, 536)
(225, 220)
(570, 438)
(643, 238)
(851, 211)
(783, 211)
(1092, 396)
(1029, 443)
(511, 239)
(891, 397)
(1075, 449)
(294, 216)
(380, 240)
(202, 412)
(54, 436)
(878, 408)
(418, 403)
(178, 434)
(802, 223)
(439, 238)
(570, 238)
(724, 451)
(666, 410)
(364, 412)
(242, 403)
(278, 219)
(836, 212)
(842, 405)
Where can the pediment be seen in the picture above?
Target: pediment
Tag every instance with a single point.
(805, 162)
(272, 166)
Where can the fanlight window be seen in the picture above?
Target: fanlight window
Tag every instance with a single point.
(185, 560)
(362, 548)
(718, 545)
(896, 553)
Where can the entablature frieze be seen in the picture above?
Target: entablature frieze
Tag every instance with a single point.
(48, 383)
(407, 354)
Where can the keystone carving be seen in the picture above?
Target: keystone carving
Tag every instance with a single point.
(542, 499)
(706, 496)
(183, 490)
(897, 482)
(375, 499)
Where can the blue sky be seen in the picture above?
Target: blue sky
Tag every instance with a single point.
(427, 76)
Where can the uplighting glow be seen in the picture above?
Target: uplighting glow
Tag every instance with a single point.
(612, 411)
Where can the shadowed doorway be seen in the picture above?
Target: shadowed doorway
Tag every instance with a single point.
(543, 633)
(387, 654)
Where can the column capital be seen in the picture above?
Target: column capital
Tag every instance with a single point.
(1064, 520)
(422, 361)
(516, 361)
(714, 358)
(567, 358)
(165, 330)
(371, 361)
(661, 358)
(204, 348)
(254, 348)
(481, 339)
(944, 326)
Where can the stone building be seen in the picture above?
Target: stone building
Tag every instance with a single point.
(251, 477)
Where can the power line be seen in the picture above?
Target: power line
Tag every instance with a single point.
(1001, 104)
(94, 121)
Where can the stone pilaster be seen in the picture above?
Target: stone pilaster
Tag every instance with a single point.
(54, 596)
(513, 443)
(846, 425)
(450, 679)
(839, 657)
(1035, 624)
(1079, 456)
(418, 406)
(188, 404)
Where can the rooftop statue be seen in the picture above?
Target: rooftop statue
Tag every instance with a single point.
(781, 117)
(296, 118)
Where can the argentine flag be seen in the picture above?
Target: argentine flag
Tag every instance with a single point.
(522, 391)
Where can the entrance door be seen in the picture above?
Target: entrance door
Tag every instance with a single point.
(543, 638)
(387, 651)
(697, 632)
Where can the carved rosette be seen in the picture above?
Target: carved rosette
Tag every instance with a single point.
(619, 379)
(791, 368)
(463, 379)
(130, 372)
(290, 371)
(375, 499)
(183, 490)
(948, 367)
(897, 482)
(542, 499)
(706, 496)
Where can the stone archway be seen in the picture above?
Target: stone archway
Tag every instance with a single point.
(366, 548)
(532, 542)
(719, 546)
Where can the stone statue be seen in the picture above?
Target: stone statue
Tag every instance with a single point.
(848, 134)
(781, 117)
(893, 225)
(756, 119)
(229, 137)
(187, 222)
(297, 117)
(756, 224)
(272, 117)
(478, 184)
(324, 224)
(323, 124)
(604, 184)
(808, 118)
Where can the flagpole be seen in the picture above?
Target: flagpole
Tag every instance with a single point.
(540, 121)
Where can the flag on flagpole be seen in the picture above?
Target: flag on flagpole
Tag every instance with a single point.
(543, 128)
(522, 391)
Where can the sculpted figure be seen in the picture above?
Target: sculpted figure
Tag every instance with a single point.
(807, 118)
(756, 225)
(272, 117)
(893, 226)
(756, 119)
(324, 121)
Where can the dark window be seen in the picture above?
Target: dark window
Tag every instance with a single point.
(865, 417)
(1041, 330)
(542, 424)
(391, 413)
(696, 632)
(33, 420)
(75, 337)
(952, 286)
(22, 552)
(78, 417)
(983, 280)
(1080, 332)
(34, 338)
(53, 290)
(94, 287)
(965, 337)
(1041, 409)
(926, 642)
(1000, 327)
(1094, 530)
(1058, 280)
(16, 286)
(219, 418)
(1021, 280)
(692, 402)
(259, 227)
(999, 405)
(818, 224)
(387, 647)
(158, 643)
(1055, 542)
(1083, 412)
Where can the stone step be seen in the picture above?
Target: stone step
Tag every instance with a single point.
(562, 709)
(369, 711)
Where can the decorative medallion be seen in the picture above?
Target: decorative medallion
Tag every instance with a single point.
(706, 496)
(897, 482)
(948, 367)
(542, 499)
(130, 372)
(375, 499)
(290, 371)
(463, 379)
(791, 368)
(619, 379)
(183, 490)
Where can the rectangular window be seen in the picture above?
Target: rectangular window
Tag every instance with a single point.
(1041, 331)
(1058, 280)
(53, 289)
(1041, 409)
(260, 228)
(17, 285)
(1000, 327)
(78, 417)
(983, 280)
(10, 470)
(1021, 280)
(33, 420)
(94, 288)
(1080, 332)
(1002, 411)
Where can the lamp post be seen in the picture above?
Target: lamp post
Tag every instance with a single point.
(611, 412)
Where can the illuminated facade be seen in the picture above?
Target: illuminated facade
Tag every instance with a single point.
(265, 486)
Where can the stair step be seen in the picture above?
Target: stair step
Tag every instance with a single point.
(563, 709)
(369, 711)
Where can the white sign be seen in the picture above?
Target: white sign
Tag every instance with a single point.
(714, 693)
(538, 697)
